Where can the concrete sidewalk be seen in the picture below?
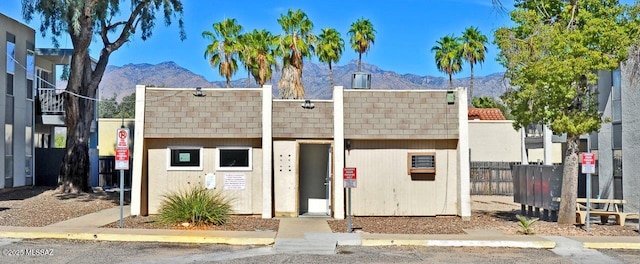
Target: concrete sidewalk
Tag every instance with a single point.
(291, 231)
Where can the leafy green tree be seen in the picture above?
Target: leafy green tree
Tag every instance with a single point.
(552, 54)
(330, 47)
(448, 56)
(83, 20)
(491, 102)
(127, 107)
(224, 48)
(108, 108)
(260, 53)
(59, 141)
(363, 36)
(473, 50)
(296, 43)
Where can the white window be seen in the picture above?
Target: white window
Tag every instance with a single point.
(184, 158)
(234, 158)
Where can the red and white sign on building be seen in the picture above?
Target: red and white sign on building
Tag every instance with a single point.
(588, 163)
(350, 177)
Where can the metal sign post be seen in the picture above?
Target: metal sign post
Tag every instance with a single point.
(122, 163)
(350, 181)
(588, 167)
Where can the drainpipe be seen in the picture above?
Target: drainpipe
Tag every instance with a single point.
(94, 156)
(524, 159)
(546, 134)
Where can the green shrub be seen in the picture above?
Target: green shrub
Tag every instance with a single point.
(196, 206)
(525, 224)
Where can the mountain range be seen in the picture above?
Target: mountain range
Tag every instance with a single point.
(121, 80)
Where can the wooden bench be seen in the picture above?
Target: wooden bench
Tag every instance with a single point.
(610, 209)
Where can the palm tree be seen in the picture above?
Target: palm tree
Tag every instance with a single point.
(448, 56)
(262, 56)
(224, 48)
(330, 47)
(244, 54)
(362, 38)
(473, 50)
(295, 43)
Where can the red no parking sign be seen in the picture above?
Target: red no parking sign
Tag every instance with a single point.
(122, 149)
(588, 163)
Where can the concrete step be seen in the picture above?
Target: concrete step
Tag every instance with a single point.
(304, 246)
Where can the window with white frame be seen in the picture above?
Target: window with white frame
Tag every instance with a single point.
(233, 158)
(184, 158)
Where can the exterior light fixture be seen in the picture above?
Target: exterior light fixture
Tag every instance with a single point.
(199, 92)
(451, 98)
(308, 104)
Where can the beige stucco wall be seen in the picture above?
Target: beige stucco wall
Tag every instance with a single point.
(107, 134)
(537, 155)
(494, 141)
(385, 188)
(162, 181)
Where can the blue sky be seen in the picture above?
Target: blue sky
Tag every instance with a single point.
(406, 31)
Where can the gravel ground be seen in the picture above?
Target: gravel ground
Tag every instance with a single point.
(488, 213)
(41, 206)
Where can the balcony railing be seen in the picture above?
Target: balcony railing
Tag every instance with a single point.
(51, 102)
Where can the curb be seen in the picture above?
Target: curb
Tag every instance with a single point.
(611, 245)
(456, 241)
(137, 235)
(460, 243)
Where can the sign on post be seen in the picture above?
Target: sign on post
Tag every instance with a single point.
(122, 149)
(122, 138)
(588, 163)
(350, 177)
(122, 163)
(122, 159)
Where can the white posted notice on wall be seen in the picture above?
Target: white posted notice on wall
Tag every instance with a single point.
(235, 181)
(210, 181)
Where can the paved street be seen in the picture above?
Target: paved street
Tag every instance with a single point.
(71, 251)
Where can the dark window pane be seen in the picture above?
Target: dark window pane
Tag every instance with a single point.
(616, 135)
(29, 89)
(423, 162)
(234, 158)
(9, 84)
(8, 112)
(185, 157)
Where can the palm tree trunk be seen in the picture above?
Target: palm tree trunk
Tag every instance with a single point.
(359, 61)
(331, 75)
(450, 81)
(248, 77)
(471, 86)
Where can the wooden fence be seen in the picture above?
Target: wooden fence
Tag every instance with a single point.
(491, 178)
